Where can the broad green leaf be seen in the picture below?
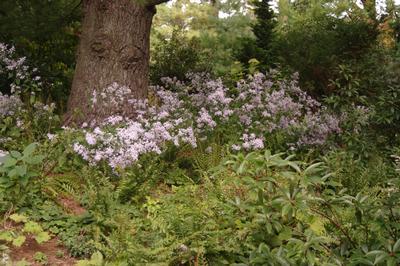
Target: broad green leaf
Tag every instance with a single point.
(375, 253)
(19, 241)
(294, 166)
(2, 159)
(391, 261)
(37, 159)
(9, 161)
(13, 173)
(21, 170)
(286, 210)
(16, 154)
(29, 149)
(97, 258)
(285, 234)
(4, 180)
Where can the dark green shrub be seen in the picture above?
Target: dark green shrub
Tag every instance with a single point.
(176, 57)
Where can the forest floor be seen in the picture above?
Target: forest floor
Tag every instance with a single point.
(55, 253)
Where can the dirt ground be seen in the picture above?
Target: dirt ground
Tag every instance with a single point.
(56, 254)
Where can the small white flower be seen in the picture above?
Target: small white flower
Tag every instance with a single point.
(51, 136)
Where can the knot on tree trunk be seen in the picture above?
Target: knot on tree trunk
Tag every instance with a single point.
(131, 57)
(101, 45)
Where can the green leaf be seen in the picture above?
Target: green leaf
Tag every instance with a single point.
(34, 159)
(6, 236)
(29, 149)
(42, 237)
(318, 226)
(19, 241)
(286, 209)
(97, 258)
(13, 173)
(313, 168)
(24, 180)
(33, 228)
(9, 161)
(21, 170)
(396, 246)
(16, 154)
(285, 234)
(294, 166)
(18, 218)
(380, 258)
(2, 159)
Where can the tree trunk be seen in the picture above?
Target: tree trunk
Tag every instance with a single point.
(114, 47)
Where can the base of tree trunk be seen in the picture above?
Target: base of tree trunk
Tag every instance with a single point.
(114, 48)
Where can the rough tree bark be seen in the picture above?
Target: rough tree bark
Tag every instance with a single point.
(114, 47)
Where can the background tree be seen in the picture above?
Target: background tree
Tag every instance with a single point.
(314, 37)
(218, 36)
(260, 47)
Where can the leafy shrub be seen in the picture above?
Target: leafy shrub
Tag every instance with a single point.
(302, 217)
(319, 39)
(256, 209)
(176, 57)
(17, 172)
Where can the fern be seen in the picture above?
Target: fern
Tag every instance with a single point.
(67, 184)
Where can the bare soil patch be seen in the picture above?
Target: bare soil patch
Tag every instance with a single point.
(52, 249)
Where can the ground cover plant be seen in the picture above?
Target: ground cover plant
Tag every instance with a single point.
(289, 156)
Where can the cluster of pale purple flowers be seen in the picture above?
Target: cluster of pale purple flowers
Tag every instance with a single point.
(189, 112)
(9, 105)
(120, 140)
(17, 68)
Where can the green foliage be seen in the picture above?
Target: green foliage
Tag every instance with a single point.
(46, 32)
(95, 260)
(261, 46)
(313, 41)
(17, 236)
(72, 230)
(41, 258)
(302, 217)
(176, 57)
(28, 125)
(17, 176)
(216, 37)
(205, 206)
(359, 173)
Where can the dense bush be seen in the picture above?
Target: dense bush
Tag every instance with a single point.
(177, 56)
